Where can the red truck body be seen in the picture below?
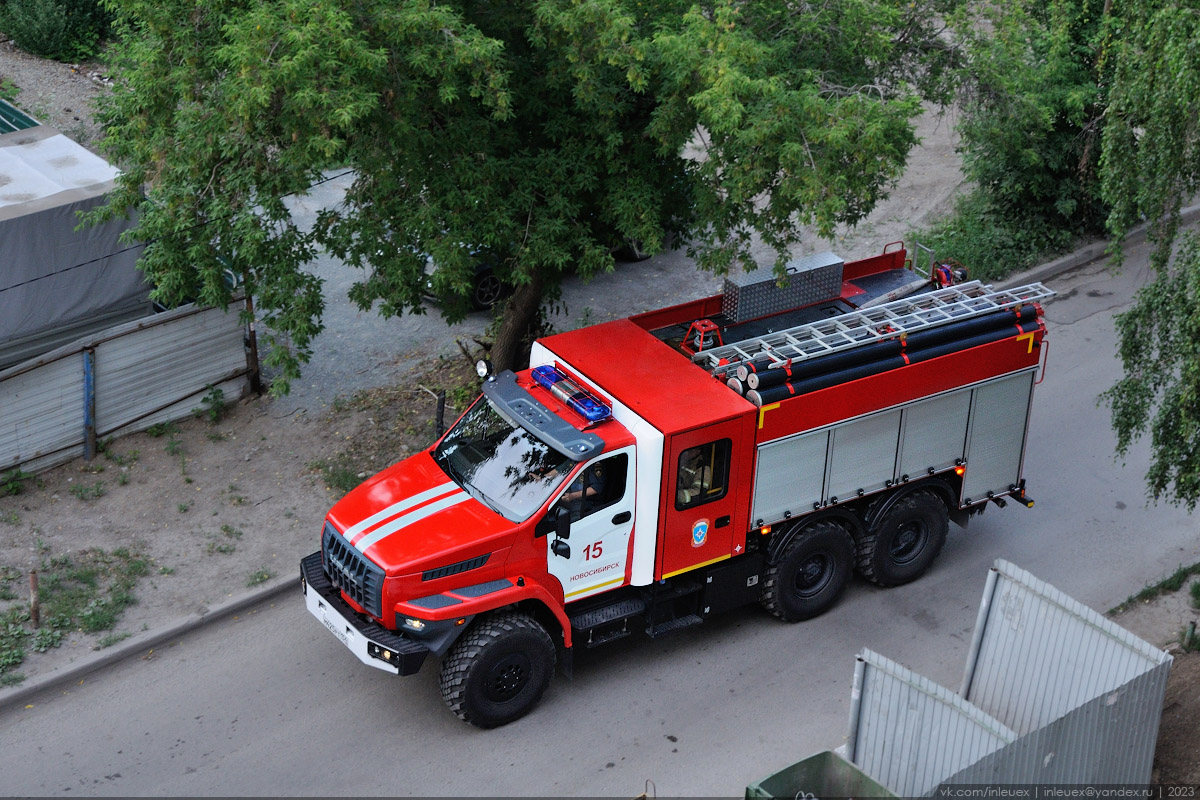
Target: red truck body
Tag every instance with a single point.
(632, 480)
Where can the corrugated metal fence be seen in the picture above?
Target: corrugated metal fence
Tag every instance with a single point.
(118, 381)
(1053, 693)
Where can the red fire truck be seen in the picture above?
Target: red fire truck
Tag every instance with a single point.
(646, 473)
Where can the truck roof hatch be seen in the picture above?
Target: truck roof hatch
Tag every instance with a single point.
(523, 409)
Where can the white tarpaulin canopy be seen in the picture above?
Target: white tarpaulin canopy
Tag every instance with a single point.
(56, 282)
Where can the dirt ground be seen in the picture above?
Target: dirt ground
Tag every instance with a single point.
(218, 508)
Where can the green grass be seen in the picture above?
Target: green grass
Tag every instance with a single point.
(1172, 583)
(1195, 592)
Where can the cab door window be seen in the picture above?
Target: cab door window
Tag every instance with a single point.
(703, 474)
(596, 487)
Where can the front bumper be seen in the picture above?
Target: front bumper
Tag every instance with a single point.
(370, 642)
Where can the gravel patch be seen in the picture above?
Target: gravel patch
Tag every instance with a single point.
(62, 96)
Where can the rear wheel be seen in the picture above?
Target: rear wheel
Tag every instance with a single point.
(499, 670)
(905, 541)
(810, 573)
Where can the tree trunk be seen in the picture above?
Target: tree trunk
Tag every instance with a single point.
(515, 334)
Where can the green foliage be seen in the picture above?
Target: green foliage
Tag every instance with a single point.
(46, 638)
(537, 135)
(8, 89)
(989, 242)
(1150, 166)
(1033, 100)
(1159, 344)
(13, 638)
(65, 30)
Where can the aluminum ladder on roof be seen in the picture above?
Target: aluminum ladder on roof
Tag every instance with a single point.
(907, 315)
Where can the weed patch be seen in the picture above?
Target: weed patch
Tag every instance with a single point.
(13, 482)
(257, 577)
(212, 406)
(337, 473)
(108, 640)
(85, 492)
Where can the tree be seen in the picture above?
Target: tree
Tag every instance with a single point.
(1150, 166)
(1033, 92)
(544, 133)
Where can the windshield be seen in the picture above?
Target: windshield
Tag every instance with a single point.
(499, 463)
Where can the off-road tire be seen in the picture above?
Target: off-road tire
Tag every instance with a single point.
(498, 671)
(904, 542)
(810, 574)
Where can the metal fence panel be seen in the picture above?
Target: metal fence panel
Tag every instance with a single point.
(909, 733)
(169, 367)
(41, 413)
(151, 370)
(1053, 692)
(1041, 653)
(1108, 740)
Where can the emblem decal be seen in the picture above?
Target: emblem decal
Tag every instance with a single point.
(699, 532)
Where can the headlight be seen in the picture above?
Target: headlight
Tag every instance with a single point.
(414, 624)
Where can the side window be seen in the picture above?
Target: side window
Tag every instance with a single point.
(599, 485)
(703, 474)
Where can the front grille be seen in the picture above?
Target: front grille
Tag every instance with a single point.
(352, 572)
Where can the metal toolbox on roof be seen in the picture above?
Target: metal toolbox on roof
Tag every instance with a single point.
(811, 279)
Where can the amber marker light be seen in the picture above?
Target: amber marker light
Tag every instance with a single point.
(959, 470)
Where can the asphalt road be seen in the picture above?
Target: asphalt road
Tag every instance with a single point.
(269, 703)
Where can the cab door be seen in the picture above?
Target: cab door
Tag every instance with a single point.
(702, 478)
(600, 499)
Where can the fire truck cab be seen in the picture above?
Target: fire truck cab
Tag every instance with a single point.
(646, 473)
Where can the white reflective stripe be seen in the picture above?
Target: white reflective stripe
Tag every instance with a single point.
(408, 519)
(397, 508)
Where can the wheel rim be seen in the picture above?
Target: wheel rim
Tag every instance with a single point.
(487, 290)
(507, 678)
(909, 541)
(813, 575)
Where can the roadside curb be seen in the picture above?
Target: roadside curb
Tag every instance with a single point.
(1088, 253)
(96, 660)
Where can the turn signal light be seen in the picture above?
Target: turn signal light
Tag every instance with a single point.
(959, 470)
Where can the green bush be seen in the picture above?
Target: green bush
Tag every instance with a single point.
(65, 30)
(989, 242)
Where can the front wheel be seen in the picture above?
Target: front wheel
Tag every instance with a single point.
(498, 671)
(810, 573)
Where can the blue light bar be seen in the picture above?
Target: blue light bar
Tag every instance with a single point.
(581, 401)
